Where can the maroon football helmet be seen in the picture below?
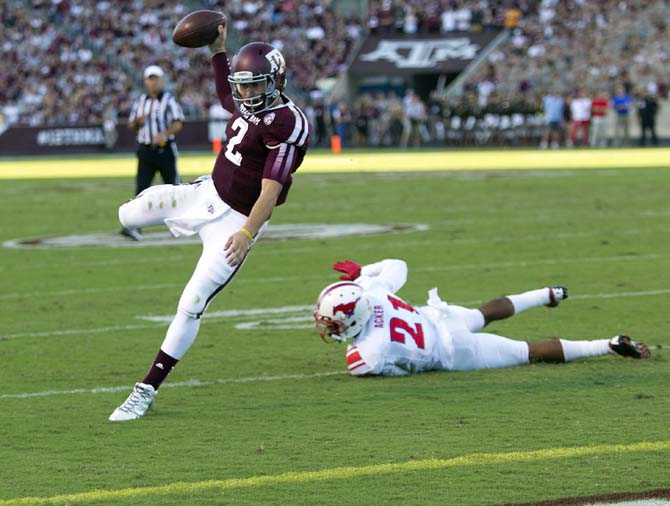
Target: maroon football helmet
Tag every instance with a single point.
(257, 76)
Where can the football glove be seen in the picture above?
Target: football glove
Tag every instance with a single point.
(350, 268)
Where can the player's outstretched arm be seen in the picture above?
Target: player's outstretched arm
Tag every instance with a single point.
(238, 243)
(222, 70)
(391, 272)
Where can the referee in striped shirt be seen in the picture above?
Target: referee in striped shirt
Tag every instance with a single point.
(156, 117)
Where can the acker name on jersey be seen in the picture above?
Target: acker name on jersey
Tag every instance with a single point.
(398, 339)
(267, 145)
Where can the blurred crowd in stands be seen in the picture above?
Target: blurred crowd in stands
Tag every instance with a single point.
(66, 61)
(555, 120)
(76, 62)
(608, 61)
(393, 120)
(415, 16)
(572, 72)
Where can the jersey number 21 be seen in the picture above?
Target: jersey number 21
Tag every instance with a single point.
(398, 324)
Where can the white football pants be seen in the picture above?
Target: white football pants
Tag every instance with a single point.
(478, 350)
(188, 209)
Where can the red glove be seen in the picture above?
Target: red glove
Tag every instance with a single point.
(351, 269)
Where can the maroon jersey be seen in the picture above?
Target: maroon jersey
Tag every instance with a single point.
(270, 144)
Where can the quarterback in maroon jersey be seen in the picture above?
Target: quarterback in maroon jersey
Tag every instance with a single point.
(267, 138)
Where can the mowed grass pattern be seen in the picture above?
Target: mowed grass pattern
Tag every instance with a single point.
(603, 233)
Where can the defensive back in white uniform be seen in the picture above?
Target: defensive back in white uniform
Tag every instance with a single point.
(393, 338)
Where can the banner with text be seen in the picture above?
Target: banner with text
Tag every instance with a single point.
(419, 54)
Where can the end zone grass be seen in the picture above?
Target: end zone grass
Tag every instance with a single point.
(359, 161)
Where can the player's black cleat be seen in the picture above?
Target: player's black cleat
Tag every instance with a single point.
(624, 346)
(557, 294)
(132, 233)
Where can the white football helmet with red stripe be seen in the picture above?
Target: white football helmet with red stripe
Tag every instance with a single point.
(342, 310)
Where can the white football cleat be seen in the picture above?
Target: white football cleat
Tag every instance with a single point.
(137, 404)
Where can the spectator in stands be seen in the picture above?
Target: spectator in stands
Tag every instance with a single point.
(622, 104)
(218, 121)
(341, 117)
(448, 19)
(396, 115)
(580, 109)
(362, 113)
(414, 124)
(435, 109)
(109, 121)
(512, 17)
(647, 108)
(599, 126)
(411, 22)
(463, 16)
(552, 108)
(567, 118)
(321, 123)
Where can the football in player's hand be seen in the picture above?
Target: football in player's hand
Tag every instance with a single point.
(198, 28)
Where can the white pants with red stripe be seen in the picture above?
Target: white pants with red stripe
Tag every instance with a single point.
(188, 209)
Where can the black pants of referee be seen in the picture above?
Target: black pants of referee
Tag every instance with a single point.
(154, 158)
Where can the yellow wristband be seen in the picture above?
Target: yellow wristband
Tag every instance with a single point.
(247, 233)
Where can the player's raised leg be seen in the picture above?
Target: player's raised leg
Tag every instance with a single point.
(155, 204)
(504, 307)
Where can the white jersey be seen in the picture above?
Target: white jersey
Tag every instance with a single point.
(581, 109)
(398, 339)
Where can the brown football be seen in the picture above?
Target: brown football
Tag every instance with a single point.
(198, 28)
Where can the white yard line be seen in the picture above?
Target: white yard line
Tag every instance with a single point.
(77, 291)
(180, 384)
(325, 276)
(132, 260)
(67, 332)
(158, 321)
(232, 313)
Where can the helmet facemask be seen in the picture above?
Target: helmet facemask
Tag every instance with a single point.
(341, 312)
(261, 100)
(328, 328)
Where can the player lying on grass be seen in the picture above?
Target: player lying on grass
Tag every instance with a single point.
(392, 338)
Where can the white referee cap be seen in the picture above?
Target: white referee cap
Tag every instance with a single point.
(153, 70)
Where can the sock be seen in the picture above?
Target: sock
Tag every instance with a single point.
(528, 300)
(573, 350)
(161, 367)
(178, 339)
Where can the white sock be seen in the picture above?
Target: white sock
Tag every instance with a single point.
(573, 350)
(180, 335)
(528, 300)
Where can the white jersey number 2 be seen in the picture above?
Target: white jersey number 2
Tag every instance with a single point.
(242, 127)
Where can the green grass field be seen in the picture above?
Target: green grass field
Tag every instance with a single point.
(273, 422)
